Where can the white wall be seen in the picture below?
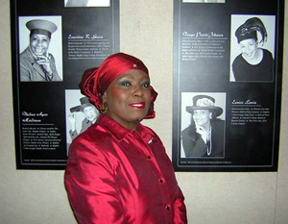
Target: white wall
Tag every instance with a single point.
(35, 197)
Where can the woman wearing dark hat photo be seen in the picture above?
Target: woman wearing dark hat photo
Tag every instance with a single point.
(204, 137)
(118, 170)
(255, 63)
(90, 112)
(36, 64)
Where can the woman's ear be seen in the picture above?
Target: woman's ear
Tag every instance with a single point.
(104, 107)
(104, 97)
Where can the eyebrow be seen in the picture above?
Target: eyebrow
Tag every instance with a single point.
(132, 77)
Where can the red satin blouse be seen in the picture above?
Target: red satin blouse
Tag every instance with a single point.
(114, 175)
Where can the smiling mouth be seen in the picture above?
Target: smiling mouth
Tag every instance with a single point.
(137, 105)
(38, 50)
(249, 54)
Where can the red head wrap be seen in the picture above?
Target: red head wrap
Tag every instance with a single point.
(95, 81)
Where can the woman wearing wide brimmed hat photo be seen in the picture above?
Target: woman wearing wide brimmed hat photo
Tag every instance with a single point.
(204, 137)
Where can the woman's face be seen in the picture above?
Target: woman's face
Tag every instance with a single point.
(248, 48)
(39, 44)
(128, 98)
(90, 113)
(202, 117)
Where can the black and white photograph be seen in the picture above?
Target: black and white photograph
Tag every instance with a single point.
(40, 49)
(203, 125)
(204, 1)
(87, 3)
(252, 48)
(80, 114)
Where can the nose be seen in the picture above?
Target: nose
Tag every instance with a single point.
(39, 42)
(138, 91)
(247, 49)
(196, 117)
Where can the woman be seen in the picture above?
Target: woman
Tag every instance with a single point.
(205, 135)
(90, 112)
(36, 64)
(118, 171)
(254, 63)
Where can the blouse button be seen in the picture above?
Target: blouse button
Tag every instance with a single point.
(149, 157)
(168, 207)
(161, 181)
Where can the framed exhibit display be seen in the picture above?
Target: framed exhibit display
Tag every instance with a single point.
(227, 84)
(53, 43)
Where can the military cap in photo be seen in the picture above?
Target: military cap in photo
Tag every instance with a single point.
(40, 26)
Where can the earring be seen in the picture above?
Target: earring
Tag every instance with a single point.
(103, 108)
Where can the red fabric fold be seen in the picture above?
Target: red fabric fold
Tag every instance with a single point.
(122, 176)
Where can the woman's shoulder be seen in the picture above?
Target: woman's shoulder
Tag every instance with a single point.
(24, 52)
(189, 131)
(147, 129)
(238, 60)
(26, 55)
(218, 123)
(95, 137)
(92, 148)
(144, 131)
(267, 53)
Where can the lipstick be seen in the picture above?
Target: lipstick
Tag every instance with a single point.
(140, 105)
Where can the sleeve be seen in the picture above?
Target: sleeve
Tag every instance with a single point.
(56, 76)
(187, 142)
(24, 71)
(193, 146)
(235, 70)
(238, 69)
(200, 149)
(91, 186)
(180, 216)
(73, 134)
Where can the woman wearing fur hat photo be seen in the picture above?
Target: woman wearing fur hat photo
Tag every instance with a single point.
(204, 137)
(255, 63)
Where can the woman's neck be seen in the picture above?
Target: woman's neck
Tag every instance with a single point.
(206, 127)
(256, 59)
